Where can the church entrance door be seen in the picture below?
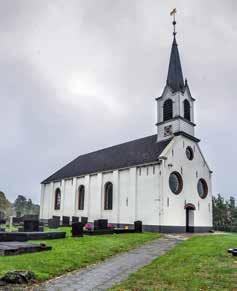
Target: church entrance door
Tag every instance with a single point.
(189, 208)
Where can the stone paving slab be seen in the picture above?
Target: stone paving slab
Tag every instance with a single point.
(113, 270)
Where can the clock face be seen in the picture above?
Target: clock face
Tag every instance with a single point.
(168, 130)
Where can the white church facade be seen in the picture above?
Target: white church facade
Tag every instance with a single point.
(162, 180)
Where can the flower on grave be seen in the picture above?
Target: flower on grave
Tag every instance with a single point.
(110, 225)
(88, 226)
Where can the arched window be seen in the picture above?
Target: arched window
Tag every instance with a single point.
(187, 110)
(168, 110)
(57, 201)
(81, 197)
(108, 196)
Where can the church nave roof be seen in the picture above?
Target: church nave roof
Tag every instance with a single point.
(136, 152)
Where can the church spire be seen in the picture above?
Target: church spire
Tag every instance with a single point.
(175, 76)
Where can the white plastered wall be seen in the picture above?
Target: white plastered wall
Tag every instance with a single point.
(191, 171)
(135, 196)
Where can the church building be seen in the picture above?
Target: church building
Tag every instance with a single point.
(162, 180)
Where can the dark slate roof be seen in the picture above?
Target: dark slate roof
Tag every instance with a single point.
(140, 151)
(175, 76)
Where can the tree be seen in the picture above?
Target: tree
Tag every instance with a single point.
(5, 205)
(20, 204)
(224, 213)
(24, 206)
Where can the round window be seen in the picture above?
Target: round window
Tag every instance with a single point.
(202, 188)
(175, 182)
(189, 153)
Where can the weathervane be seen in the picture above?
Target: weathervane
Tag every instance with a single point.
(173, 13)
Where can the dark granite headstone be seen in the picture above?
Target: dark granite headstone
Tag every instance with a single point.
(3, 221)
(84, 220)
(75, 219)
(77, 229)
(17, 220)
(100, 224)
(138, 226)
(58, 218)
(31, 225)
(53, 223)
(66, 220)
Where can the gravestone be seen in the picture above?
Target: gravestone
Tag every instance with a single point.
(100, 224)
(17, 220)
(66, 220)
(53, 223)
(3, 221)
(31, 225)
(56, 217)
(84, 220)
(77, 229)
(138, 226)
(75, 219)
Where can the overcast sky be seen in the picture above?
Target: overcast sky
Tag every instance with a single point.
(80, 75)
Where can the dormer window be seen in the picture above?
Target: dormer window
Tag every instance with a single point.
(168, 110)
(187, 114)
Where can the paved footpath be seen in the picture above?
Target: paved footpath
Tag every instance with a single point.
(113, 270)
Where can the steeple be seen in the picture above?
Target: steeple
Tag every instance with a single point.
(175, 76)
(175, 107)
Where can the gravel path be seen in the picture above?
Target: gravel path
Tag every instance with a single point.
(113, 270)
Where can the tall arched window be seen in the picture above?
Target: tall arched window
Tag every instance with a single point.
(57, 201)
(81, 197)
(168, 109)
(187, 110)
(108, 196)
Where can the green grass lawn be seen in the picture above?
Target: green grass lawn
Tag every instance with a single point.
(73, 253)
(200, 263)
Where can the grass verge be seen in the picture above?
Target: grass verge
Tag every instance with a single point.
(200, 263)
(73, 253)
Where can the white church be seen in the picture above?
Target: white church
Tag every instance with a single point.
(162, 180)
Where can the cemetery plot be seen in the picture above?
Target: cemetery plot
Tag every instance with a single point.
(72, 253)
(24, 236)
(16, 248)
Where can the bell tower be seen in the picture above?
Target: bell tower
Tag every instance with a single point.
(175, 114)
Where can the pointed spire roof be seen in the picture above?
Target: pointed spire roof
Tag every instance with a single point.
(175, 78)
